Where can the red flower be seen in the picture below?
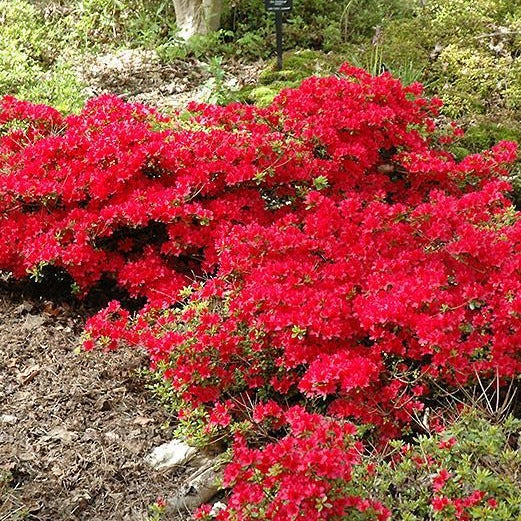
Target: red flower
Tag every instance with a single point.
(440, 502)
(440, 479)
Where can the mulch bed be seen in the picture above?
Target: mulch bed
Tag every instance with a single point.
(74, 426)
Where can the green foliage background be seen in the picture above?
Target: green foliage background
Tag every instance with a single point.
(31, 65)
(465, 51)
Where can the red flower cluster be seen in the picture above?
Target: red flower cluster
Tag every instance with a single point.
(335, 250)
(303, 476)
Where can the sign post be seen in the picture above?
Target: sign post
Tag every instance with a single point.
(278, 7)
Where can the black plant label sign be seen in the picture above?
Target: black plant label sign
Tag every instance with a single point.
(279, 5)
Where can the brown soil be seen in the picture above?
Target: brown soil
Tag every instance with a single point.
(74, 426)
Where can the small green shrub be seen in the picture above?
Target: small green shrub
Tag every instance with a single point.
(58, 86)
(21, 51)
(472, 81)
(475, 462)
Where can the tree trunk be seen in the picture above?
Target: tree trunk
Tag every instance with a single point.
(197, 16)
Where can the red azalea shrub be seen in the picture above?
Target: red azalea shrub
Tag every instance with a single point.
(340, 255)
(359, 304)
(123, 192)
(395, 266)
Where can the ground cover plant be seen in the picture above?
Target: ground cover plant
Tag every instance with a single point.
(300, 268)
(31, 62)
(468, 471)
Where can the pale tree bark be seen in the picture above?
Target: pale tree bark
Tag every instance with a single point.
(197, 16)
